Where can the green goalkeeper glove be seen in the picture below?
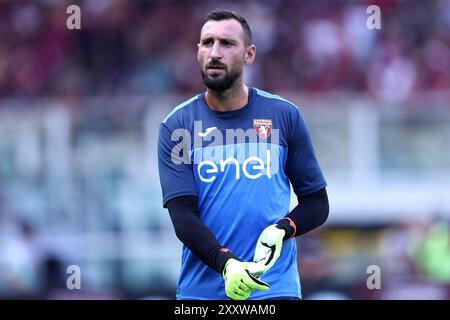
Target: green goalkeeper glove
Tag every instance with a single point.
(268, 246)
(239, 283)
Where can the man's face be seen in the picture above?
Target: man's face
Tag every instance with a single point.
(222, 53)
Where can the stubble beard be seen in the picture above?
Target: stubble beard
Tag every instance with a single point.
(220, 83)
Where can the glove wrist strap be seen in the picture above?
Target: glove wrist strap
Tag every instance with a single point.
(223, 255)
(288, 226)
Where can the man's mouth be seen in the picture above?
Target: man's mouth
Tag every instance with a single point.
(215, 68)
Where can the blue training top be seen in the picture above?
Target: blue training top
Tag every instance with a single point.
(239, 164)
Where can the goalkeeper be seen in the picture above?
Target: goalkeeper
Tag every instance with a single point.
(228, 198)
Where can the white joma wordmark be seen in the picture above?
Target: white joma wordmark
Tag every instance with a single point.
(207, 131)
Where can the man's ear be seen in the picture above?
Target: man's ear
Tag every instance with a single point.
(250, 54)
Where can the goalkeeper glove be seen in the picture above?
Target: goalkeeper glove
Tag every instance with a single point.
(268, 246)
(239, 283)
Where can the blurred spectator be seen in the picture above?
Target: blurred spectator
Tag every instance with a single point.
(20, 262)
(397, 246)
(433, 253)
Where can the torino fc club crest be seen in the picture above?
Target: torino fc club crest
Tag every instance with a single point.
(263, 127)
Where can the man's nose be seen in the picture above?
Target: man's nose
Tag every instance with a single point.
(215, 50)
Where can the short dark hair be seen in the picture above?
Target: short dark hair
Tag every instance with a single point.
(219, 14)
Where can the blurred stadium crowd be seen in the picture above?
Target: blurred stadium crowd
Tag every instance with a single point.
(79, 111)
(147, 46)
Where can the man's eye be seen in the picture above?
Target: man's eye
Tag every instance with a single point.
(207, 42)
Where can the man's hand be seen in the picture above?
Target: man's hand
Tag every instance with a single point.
(239, 283)
(268, 249)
